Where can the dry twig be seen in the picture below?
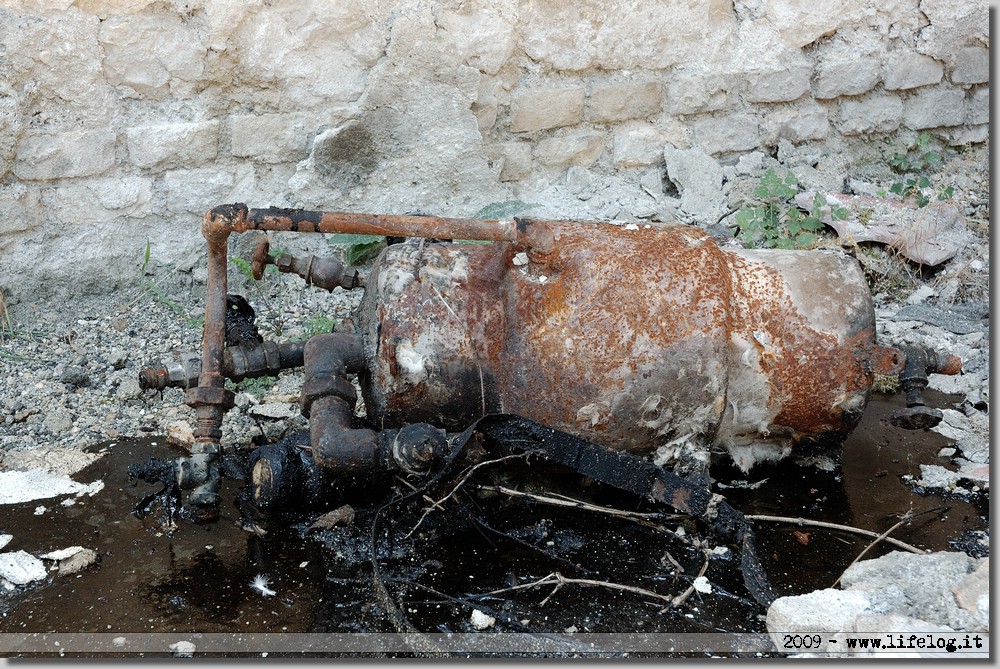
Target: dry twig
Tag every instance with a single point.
(559, 581)
(836, 526)
(465, 478)
(907, 517)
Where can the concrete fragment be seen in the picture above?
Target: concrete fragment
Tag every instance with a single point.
(481, 621)
(926, 580)
(59, 461)
(179, 433)
(274, 410)
(698, 178)
(20, 568)
(17, 487)
(5, 539)
(819, 611)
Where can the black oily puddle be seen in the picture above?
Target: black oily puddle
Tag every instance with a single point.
(197, 579)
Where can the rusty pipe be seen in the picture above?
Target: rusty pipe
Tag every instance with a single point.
(210, 399)
(239, 218)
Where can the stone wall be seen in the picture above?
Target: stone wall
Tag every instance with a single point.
(122, 121)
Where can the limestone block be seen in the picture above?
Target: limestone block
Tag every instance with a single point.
(172, 145)
(934, 108)
(972, 66)
(483, 36)
(951, 23)
(911, 70)
(852, 76)
(516, 157)
(151, 53)
(627, 34)
(876, 113)
(45, 154)
(637, 145)
(797, 124)
(694, 90)
(979, 107)
(275, 138)
(97, 201)
(780, 84)
(580, 148)
(802, 23)
(618, 102)
(546, 108)
(310, 51)
(20, 212)
(10, 128)
(198, 190)
(727, 134)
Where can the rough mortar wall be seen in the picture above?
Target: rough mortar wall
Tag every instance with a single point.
(122, 121)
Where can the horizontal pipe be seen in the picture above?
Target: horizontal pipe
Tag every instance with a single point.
(393, 225)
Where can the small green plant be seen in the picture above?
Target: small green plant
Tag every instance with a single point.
(359, 247)
(257, 387)
(318, 324)
(917, 159)
(774, 221)
(149, 287)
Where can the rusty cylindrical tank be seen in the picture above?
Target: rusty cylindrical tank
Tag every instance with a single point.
(640, 338)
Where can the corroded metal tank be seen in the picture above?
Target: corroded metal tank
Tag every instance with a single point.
(638, 338)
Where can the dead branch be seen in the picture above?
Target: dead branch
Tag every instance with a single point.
(836, 526)
(559, 580)
(681, 598)
(562, 500)
(465, 478)
(907, 517)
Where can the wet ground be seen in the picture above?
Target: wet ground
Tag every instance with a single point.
(198, 579)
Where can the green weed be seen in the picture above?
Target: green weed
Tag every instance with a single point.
(148, 286)
(775, 221)
(914, 163)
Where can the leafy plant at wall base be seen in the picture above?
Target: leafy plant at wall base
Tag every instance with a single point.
(776, 222)
(359, 247)
(149, 286)
(916, 159)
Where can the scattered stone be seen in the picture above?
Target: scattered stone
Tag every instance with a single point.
(702, 585)
(72, 560)
(957, 318)
(179, 433)
(481, 621)
(17, 487)
(698, 178)
(342, 515)
(21, 568)
(5, 539)
(183, 649)
(75, 375)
